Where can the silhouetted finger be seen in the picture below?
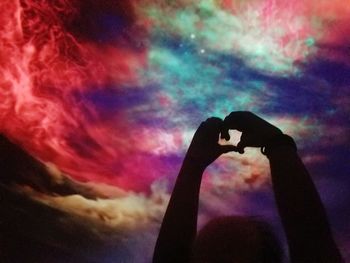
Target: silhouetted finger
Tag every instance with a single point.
(228, 148)
(244, 142)
(224, 132)
(213, 126)
(240, 147)
(228, 123)
(237, 119)
(215, 121)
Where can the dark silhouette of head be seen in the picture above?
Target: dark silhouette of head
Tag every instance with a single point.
(235, 239)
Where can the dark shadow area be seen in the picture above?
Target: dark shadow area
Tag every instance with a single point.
(33, 232)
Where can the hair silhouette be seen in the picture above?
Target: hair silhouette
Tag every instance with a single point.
(231, 238)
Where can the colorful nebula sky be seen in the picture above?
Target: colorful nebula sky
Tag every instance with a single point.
(107, 94)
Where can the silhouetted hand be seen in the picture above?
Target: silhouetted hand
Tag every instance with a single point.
(204, 148)
(256, 132)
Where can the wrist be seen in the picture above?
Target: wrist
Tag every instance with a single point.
(278, 143)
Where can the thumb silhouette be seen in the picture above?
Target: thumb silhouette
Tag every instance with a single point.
(228, 148)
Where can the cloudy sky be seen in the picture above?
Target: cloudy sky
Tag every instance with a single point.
(106, 95)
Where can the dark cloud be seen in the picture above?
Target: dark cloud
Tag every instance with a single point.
(35, 233)
(20, 168)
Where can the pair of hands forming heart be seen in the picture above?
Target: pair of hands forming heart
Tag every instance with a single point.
(204, 148)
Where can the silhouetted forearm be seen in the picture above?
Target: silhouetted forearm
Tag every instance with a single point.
(179, 225)
(301, 210)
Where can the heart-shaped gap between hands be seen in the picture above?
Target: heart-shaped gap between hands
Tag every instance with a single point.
(235, 137)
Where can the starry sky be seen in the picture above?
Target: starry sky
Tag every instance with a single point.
(106, 95)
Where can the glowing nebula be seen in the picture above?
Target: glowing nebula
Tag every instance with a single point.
(110, 92)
